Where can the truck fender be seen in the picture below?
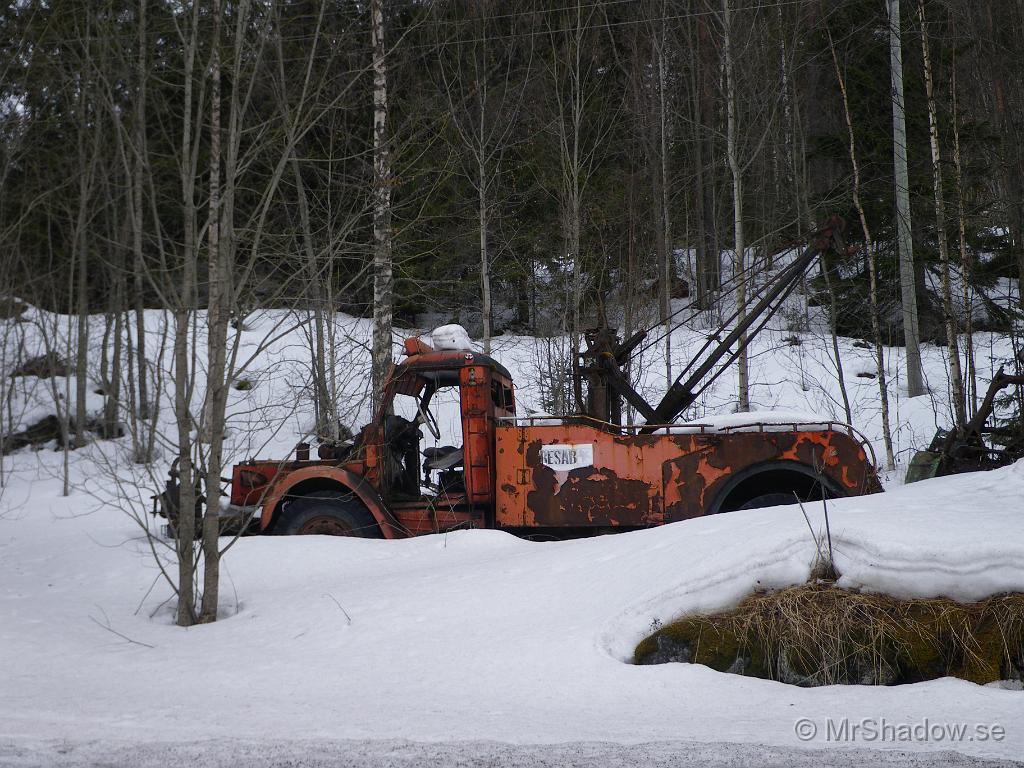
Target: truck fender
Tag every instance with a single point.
(346, 481)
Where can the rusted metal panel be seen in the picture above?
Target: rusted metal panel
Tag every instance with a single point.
(580, 475)
(696, 478)
(422, 517)
(343, 478)
(510, 476)
(574, 475)
(478, 434)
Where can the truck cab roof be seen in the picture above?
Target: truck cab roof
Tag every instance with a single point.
(428, 362)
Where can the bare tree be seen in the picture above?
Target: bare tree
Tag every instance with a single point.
(966, 260)
(88, 151)
(952, 342)
(138, 228)
(569, 79)
(383, 276)
(184, 305)
(739, 244)
(484, 94)
(704, 67)
(876, 328)
(660, 173)
(911, 332)
(219, 270)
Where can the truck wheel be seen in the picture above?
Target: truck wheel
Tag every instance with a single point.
(327, 513)
(768, 500)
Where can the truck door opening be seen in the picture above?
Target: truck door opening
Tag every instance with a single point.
(425, 438)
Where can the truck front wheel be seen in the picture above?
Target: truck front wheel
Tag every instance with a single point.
(327, 513)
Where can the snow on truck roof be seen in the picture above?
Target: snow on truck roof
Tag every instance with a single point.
(754, 421)
(449, 347)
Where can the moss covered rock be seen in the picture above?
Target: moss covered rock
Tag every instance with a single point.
(818, 634)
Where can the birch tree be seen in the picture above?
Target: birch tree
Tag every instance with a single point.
(966, 260)
(143, 450)
(949, 317)
(219, 269)
(383, 275)
(184, 306)
(702, 117)
(484, 92)
(911, 332)
(736, 172)
(573, 91)
(662, 180)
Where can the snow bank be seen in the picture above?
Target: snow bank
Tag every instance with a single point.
(469, 636)
(474, 635)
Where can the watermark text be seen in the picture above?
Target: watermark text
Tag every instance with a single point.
(872, 730)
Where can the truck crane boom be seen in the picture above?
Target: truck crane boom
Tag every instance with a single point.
(607, 386)
(683, 393)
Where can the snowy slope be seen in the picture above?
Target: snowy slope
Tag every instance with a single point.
(473, 637)
(276, 412)
(470, 636)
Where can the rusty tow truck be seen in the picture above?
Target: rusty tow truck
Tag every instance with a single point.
(545, 476)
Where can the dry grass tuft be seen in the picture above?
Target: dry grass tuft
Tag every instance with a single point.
(818, 634)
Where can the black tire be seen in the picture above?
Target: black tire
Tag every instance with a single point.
(327, 513)
(772, 499)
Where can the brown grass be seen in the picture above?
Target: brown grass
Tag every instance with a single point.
(817, 634)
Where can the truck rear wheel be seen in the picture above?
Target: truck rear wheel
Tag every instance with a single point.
(327, 513)
(773, 499)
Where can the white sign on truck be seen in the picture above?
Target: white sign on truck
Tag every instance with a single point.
(562, 457)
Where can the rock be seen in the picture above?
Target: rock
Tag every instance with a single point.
(43, 366)
(40, 433)
(667, 649)
(11, 308)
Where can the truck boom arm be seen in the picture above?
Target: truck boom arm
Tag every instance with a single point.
(683, 393)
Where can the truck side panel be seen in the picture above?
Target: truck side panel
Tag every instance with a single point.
(569, 476)
(579, 475)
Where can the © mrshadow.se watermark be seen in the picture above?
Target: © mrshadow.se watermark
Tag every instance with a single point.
(875, 730)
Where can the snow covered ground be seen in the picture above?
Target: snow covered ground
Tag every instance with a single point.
(474, 636)
(412, 754)
(473, 647)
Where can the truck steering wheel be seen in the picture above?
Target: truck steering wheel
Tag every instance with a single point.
(429, 420)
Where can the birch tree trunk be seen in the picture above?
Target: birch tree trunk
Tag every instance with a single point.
(86, 165)
(115, 328)
(668, 272)
(185, 539)
(485, 268)
(326, 426)
(138, 225)
(739, 246)
(216, 348)
(967, 260)
(383, 277)
(911, 332)
(709, 258)
(952, 344)
(572, 164)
